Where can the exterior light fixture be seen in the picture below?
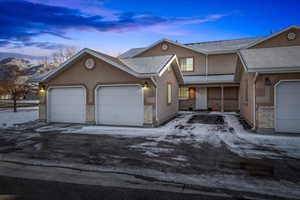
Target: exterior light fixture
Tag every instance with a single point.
(146, 85)
(42, 89)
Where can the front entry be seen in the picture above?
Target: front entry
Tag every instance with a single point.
(201, 98)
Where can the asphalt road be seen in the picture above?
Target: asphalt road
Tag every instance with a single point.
(50, 190)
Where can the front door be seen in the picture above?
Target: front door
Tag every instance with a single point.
(201, 98)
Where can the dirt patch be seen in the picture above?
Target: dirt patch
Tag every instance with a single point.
(206, 119)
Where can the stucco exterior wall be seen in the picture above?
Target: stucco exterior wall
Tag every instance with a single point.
(246, 96)
(102, 74)
(222, 64)
(199, 59)
(280, 40)
(166, 111)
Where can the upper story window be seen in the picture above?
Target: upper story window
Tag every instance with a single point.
(186, 64)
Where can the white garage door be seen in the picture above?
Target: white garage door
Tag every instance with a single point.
(120, 105)
(288, 107)
(66, 105)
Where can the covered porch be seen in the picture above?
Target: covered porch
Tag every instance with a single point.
(210, 97)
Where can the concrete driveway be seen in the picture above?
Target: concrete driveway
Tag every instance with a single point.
(195, 148)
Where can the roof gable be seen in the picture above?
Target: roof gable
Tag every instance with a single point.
(142, 50)
(253, 44)
(139, 67)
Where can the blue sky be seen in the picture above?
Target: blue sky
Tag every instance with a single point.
(40, 27)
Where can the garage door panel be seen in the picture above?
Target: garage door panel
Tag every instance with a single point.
(67, 105)
(288, 107)
(288, 125)
(120, 105)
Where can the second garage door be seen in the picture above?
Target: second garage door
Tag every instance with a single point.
(120, 105)
(288, 107)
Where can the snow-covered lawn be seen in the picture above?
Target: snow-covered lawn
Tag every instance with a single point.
(20, 101)
(231, 134)
(8, 118)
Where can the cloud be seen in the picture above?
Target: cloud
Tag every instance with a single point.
(42, 45)
(21, 21)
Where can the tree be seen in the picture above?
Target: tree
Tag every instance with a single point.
(56, 59)
(14, 82)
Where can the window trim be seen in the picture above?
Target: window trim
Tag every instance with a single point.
(169, 101)
(180, 58)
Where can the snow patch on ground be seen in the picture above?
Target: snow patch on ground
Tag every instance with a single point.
(232, 134)
(8, 118)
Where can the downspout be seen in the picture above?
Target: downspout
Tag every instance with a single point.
(206, 66)
(254, 102)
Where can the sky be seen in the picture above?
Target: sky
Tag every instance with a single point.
(41, 27)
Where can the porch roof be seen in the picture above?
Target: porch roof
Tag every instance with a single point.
(223, 78)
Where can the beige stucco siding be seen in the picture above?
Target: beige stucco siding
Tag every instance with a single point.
(246, 96)
(280, 40)
(199, 59)
(102, 74)
(222, 64)
(166, 111)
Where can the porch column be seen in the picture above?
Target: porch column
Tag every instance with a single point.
(222, 98)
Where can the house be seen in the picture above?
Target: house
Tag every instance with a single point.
(260, 77)
(92, 87)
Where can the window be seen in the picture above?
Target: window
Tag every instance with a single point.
(169, 93)
(186, 64)
(183, 93)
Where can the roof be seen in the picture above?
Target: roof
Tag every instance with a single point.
(212, 47)
(227, 78)
(271, 59)
(145, 67)
(223, 45)
(130, 52)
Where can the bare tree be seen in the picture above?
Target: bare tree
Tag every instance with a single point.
(57, 58)
(62, 55)
(15, 84)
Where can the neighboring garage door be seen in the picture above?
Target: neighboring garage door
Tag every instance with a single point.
(66, 104)
(288, 107)
(120, 105)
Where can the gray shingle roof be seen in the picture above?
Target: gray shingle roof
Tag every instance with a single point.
(130, 52)
(276, 58)
(223, 45)
(208, 47)
(146, 65)
(228, 78)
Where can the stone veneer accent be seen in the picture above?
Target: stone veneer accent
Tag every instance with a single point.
(148, 114)
(265, 117)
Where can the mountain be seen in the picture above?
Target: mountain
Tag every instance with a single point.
(19, 55)
(9, 67)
